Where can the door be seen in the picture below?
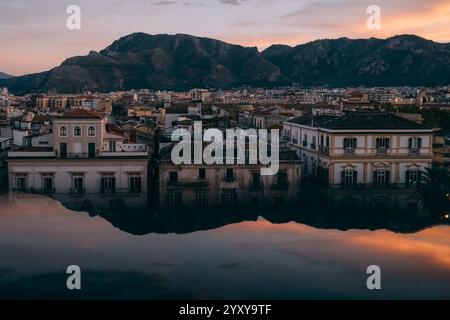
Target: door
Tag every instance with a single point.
(77, 149)
(78, 184)
(91, 150)
(48, 184)
(63, 150)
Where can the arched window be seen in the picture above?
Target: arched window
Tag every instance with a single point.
(77, 131)
(91, 131)
(63, 131)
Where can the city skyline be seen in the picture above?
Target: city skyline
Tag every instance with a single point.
(42, 41)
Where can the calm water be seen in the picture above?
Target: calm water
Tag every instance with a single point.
(256, 259)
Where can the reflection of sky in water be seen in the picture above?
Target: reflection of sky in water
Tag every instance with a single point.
(39, 239)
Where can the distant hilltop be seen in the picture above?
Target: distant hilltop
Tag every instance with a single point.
(5, 75)
(178, 62)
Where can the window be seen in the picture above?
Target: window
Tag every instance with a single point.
(174, 199)
(350, 143)
(77, 184)
(349, 178)
(282, 179)
(412, 177)
(21, 183)
(91, 131)
(201, 174)
(47, 183)
(108, 184)
(415, 144)
(77, 131)
(380, 178)
(63, 132)
(382, 143)
(328, 142)
(135, 184)
(173, 177)
(229, 175)
(201, 199)
(228, 199)
(256, 180)
(112, 146)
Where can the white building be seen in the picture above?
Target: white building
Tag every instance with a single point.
(361, 148)
(81, 160)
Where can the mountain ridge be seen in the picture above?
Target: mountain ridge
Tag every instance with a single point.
(182, 61)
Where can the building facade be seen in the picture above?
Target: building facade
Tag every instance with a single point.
(361, 148)
(228, 186)
(83, 161)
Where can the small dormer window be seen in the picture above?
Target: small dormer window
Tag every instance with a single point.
(63, 131)
(77, 131)
(91, 131)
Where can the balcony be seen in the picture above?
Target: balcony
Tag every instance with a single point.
(381, 151)
(78, 156)
(349, 151)
(45, 191)
(324, 150)
(77, 191)
(414, 151)
(122, 192)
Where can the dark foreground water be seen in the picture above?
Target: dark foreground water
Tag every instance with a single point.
(257, 259)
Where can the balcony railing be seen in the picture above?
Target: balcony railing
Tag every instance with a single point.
(77, 191)
(45, 191)
(381, 151)
(313, 146)
(349, 151)
(324, 150)
(414, 151)
(78, 155)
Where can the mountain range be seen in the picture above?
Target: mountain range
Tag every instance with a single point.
(5, 75)
(183, 61)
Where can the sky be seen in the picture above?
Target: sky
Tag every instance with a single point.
(34, 36)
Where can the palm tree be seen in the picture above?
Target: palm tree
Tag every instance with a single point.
(433, 190)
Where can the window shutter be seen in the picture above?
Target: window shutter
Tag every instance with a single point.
(387, 143)
(355, 178)
(387, 182)
(342, 178)
(419, 176)
(419, 143)
(410, 143)
(113, 186)
(102, 187)
(374, 177)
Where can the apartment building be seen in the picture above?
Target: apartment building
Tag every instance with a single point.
(362, 148)
(81, 160)
(228, 186)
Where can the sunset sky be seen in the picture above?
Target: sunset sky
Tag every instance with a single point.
(34, 37)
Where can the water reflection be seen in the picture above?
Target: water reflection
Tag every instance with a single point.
(255, 259)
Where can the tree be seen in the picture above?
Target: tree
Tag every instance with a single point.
(433, 190)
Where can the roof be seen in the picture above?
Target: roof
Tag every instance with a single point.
(360, 120)
(41, 118)
(81, 114)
